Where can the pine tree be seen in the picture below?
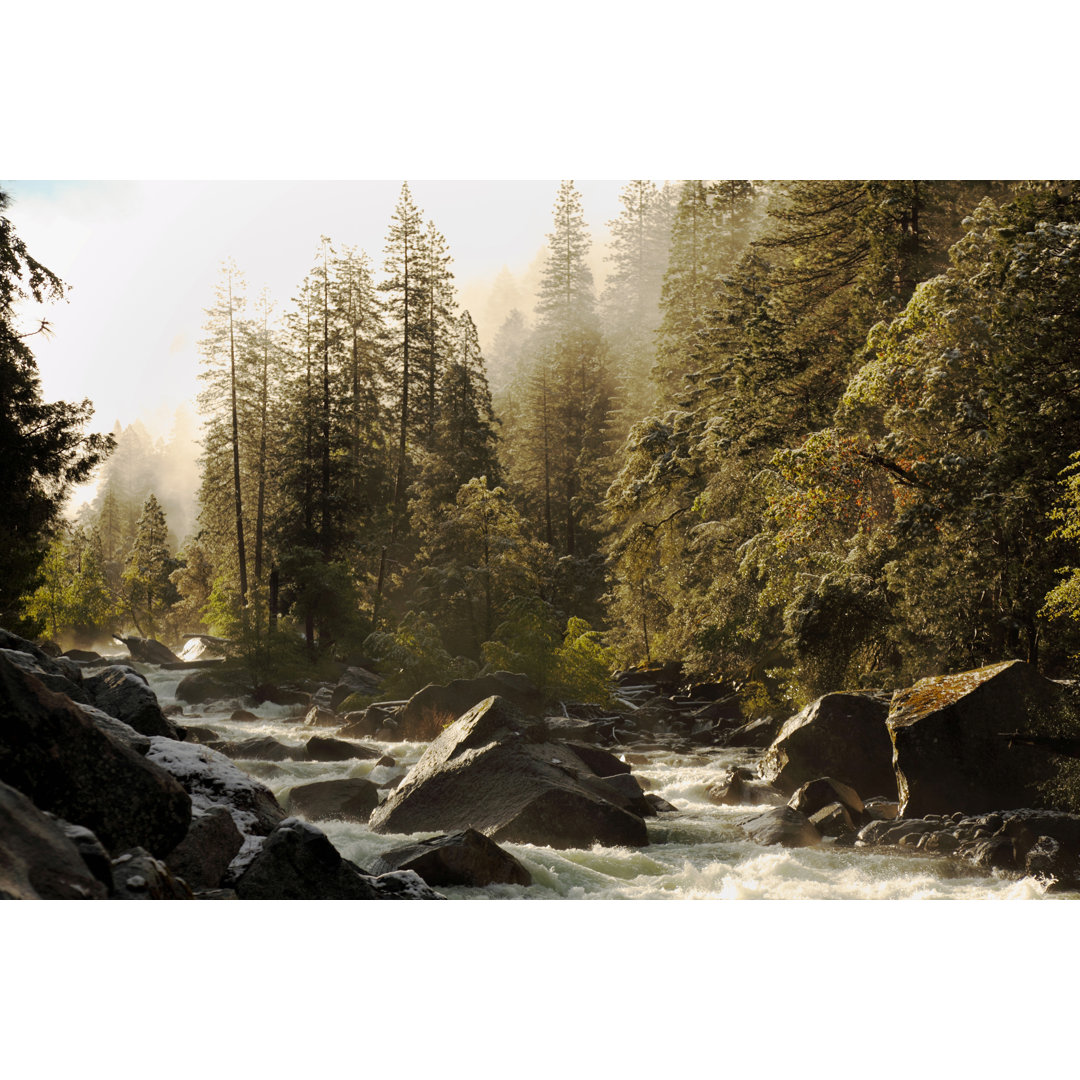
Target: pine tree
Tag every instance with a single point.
(148, 588)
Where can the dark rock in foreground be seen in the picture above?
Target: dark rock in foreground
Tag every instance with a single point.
(137, 875)
(203, 856)
(464, 858)
(496, 771)
(351, 799)
(38, 861)
(125, 694)
(950, 751)
(51, 750)
(841, 735)
(298, 862)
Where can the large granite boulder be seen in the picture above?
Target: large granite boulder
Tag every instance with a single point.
(38, 861)
(350, 799)
(464, 858)
(785, 826)
(496, 770)
(48, 671)
(298, 862)
(434, 707)
(211, 779)
(148, 650)
(53, 752)
(840, 735)
(951, 747)
(125, 694)
(321, 748)
(354, 681)
(203, 856)
(212, 684)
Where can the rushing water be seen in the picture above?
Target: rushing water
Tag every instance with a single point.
(700, 852)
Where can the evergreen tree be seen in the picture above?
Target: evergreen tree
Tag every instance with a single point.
(149, 592)
(42, 445)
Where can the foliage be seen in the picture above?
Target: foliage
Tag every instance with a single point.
(413, 655)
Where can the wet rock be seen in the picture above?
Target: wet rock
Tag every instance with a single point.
(211, 779)
(350, 799)
(660, 805)
(201, 735)
(355, 681)
(815, 794)
(600, 761)
(880, 809)
(90, 848)
(941, 843)
(893, 832)
(212, 684)
(434, 707)
(738, 787)
(260, 748)
(755, 734)
(203, 856)
(298, 862)
(840, 735)
(320, 748)
(949, 747)
(783, 826)
(82, 656)
(488, 771)
(49, 673)
(319, 716)
(137, 875)
(148, 650)
(364, 725)
(53, 752)
(38, 860)
(833, 820)
(242, 714)
(125, 694)
(464, 858)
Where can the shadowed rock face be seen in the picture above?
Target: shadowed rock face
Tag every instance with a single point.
(38, 861)
(51, 750)
(840, 735)
(350, 799)
(429, 710)
(464, 858)
(496, 771)
(949, 751)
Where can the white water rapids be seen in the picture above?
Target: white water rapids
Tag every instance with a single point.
(698, 853)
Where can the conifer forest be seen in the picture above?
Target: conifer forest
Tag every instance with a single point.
(805, 436)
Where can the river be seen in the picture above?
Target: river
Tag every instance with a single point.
(698, 853)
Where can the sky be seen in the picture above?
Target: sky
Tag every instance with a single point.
(142, 259)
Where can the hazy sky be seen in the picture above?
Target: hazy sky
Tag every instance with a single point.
(142, 259)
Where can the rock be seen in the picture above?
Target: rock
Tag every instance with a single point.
(137, 875)
(756, 734)
(354, 681)
(125, 694)
(82, 656)
(494, 771)
(281, 695)
(320, 748)
(318, 716)
(50, 674)
(434, 707)
(661, 806)
(211, 779)
(242, 714)
(824, 791)
(833, 820)
(53, 752)
(148, 650)
(783, 826)
(630, 792)
(212, 684)
(840, 735)
(90, 848)
(879, 809)
(584, 732)
(201, 735)
(116, 729)
(203, 647)
(600, 761)
(463, 858)
(298, 862)
(260, 748)
(203, 856)
(737, 788)
(350, 799)
(38, 861)
(950, 753)
(363, 725)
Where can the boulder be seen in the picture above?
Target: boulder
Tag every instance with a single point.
(211, 779)
(494, 770)
(350, 799)
(53, 752)
(660, 805)
(90, 848)
(833, 820)
(203, 856)
(824, 791)
(137, 875)
(434, 707)
(783, 826)
(755, 734)
(201, 735)
(38, 861)
(148, 650)
(50, 674)
(212, 684)
(298, 862)
(242, 714)
(463, 858)
(259, 748)
(125, 694)
(82, 656)
(320, 748)
(600, 761)
(737, 787)
(951, 749)
(840, 735)
(318, 716)
(354, 681)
